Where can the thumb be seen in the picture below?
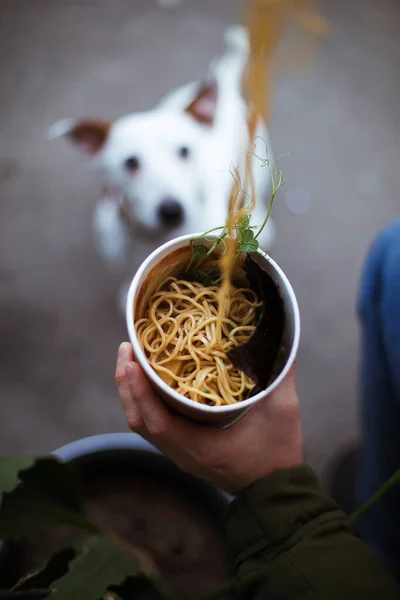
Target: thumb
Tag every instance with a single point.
(161, 427)
(153, 414)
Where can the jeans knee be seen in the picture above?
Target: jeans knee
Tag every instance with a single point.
(380, 270)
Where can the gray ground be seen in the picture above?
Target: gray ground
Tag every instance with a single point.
(59, 330)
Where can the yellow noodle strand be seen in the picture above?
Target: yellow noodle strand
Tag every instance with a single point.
(181, 340)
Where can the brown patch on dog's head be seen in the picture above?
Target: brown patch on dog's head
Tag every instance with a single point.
(90, 135)
(204, 106)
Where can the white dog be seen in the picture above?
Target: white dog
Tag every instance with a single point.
(168, 171)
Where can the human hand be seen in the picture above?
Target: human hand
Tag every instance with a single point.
(266, 439)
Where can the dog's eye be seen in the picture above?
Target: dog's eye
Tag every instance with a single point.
(132, 164)
(184, 152)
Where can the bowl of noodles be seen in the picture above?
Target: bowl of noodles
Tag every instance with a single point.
(210, 358)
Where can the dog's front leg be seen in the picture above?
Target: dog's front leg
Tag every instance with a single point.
(110, 231)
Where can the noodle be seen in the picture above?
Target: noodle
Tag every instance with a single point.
(179, 338)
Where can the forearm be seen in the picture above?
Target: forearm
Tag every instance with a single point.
(292, 541)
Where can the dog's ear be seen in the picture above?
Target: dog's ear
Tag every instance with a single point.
(204, 106)
(89, 135)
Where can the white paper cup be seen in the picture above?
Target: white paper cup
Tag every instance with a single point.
(169, 260)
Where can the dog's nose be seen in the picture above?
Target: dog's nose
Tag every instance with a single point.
(170, 212)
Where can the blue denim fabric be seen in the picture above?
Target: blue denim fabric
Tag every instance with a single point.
(379, 310)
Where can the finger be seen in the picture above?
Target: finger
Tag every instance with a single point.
(125, 352)
(131, 412)
(153, 413)
(125, 355)
(159, 422)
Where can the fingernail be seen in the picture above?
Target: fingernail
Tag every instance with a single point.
(130, 371)
(123, 351)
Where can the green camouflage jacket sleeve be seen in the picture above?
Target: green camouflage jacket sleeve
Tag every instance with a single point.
(291, 542)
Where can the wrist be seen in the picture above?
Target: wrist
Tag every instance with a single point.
(290, 456)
